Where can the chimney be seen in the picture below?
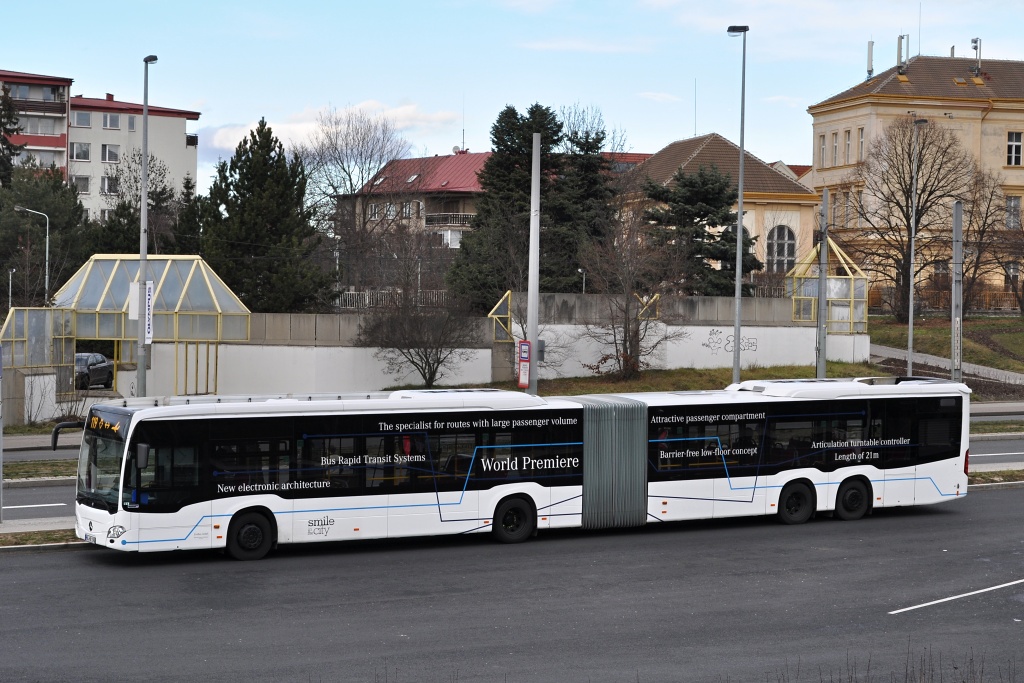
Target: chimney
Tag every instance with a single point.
(871, 66)
(110, 97)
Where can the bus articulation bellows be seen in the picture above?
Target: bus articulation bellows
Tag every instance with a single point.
(247, 473)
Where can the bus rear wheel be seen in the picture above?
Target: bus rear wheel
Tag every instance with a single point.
(249, 537)
(514, 521)
(796, 504)
(852, 500)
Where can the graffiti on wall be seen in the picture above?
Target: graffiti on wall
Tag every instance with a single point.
(718, 342)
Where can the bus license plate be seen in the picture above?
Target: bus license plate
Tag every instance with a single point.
(90, 538)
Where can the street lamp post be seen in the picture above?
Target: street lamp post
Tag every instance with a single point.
(739, 31)
(10, 288)
(584, 274)
(46, 282)
(913, 236)
(140, 381)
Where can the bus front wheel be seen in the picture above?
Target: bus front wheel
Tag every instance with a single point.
(796, 504)
(514, 521)
(249, 537)
(852, 500)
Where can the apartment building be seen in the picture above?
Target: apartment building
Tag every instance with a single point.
(102, 132)
(86, 137)
(41, 104)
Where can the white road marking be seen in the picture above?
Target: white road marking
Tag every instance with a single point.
(989, 455)
(42, 505)
(957, 597)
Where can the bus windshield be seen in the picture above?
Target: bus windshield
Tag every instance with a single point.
(99, 461)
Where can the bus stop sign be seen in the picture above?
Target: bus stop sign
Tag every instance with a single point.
(524, 364)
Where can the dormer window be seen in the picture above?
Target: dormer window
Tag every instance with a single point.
(380, 180)
(413, 177)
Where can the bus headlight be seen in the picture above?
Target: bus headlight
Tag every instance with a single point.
(116, 531)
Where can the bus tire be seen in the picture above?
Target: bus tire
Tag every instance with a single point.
(514, 521)
(249, 537)
(796, 504)
(852, 500)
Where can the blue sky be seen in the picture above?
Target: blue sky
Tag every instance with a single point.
(658, 70)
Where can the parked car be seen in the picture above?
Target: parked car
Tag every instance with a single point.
(93, 368)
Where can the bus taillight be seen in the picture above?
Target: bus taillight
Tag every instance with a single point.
(967, 458)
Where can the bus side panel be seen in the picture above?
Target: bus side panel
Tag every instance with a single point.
(679, 500)
(739, 496)
(565, 509)
(336, 519)
(434, 513)
(190, 528)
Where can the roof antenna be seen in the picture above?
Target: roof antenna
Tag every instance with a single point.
(899, 54)
(976, 46)
(871, 66)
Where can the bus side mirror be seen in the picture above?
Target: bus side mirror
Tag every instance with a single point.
(142, 456)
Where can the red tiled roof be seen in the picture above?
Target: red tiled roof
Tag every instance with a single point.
(714, 150)
(800, 169)
(96, 104)
(936, 77)
(449, 173)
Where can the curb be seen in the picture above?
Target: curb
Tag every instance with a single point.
(38, 481)
(44, 547)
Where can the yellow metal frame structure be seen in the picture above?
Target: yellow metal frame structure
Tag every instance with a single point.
(846, 294)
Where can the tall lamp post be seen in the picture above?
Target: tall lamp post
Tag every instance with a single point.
(913, 236)
(10, 288)
(46, 282)
(140, 381)
(739, 31)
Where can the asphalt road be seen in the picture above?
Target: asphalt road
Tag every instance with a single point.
(997, 451)
(742, 600)
(38, 502)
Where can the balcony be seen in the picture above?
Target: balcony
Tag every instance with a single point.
(445, 219)
(40, 107)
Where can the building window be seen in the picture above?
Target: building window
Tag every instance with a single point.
(846, 146)
(131, 124)
(821, 151)
(81, 184)
(36, 125)
(860, 144)
(406, 209)
(108, 185)
(80, 151)
(1013, 212)
(374, 212)
(42, 159)
(106, 214)
(940, 275)
(1011, 276)
(111, 153)
(50, 93)
(390, 211)
(1013, 149)
(781, 249)
(835, 149)
(81, 119)
(19, 91)
(112, 121)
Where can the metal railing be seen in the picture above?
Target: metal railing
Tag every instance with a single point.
(434, 219)
(432, 298)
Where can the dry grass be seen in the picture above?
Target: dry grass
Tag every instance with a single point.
(31, 469)
(1000, 477)
(38, 537)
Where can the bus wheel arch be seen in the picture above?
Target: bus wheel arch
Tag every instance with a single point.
(251, 534)
(853, 499)
(515, 519)
(797, 502)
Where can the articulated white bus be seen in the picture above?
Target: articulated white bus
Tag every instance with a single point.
(246, 473)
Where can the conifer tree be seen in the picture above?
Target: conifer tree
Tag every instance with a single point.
(697, 227)
(8, 127)
(258, 236)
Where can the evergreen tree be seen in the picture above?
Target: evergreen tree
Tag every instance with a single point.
(8, 127)
(258, 236)
(23, 235)
(697, 228)
(188, 222)
(575, 194)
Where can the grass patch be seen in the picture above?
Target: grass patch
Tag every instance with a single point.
(1000, 477)
(992, 342)
(31, 469)
(997, 427)
(38, 537)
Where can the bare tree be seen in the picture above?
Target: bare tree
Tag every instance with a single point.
(412, 332)
(343, 155)
(984, 236)
(945, 171)
(124, 191)
(626, 269)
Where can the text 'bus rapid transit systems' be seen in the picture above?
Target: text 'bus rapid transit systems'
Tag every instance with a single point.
(247, 473)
